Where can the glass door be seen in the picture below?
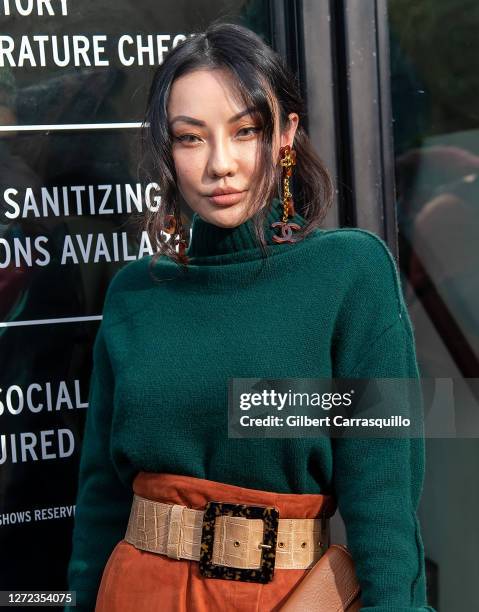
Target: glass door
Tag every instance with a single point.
(434, 62)
(73, 84)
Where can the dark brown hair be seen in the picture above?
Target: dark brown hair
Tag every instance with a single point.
(264, 83)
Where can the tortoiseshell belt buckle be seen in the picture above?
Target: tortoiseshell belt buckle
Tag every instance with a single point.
(270, 517)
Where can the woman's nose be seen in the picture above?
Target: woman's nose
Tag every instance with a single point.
(221, 160)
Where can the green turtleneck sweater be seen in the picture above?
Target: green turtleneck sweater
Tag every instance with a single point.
(330, 305)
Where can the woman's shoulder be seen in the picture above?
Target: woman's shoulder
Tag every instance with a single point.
(129, 276)
(357, 239)
(360, 261)
(131, 284)
(357, 248)
(139, 273)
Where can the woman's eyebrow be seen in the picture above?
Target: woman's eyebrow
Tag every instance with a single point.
(192, 121)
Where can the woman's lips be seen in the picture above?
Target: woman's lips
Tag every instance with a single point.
(227, 198)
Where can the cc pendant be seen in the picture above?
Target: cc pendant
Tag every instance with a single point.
(286, 231)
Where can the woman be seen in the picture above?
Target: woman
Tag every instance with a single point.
(259, 290)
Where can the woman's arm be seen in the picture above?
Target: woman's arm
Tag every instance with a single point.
(378, 481)
(103, 501)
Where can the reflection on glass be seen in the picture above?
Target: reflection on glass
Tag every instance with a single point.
(37, 347)
(434, 78)
(434, 64)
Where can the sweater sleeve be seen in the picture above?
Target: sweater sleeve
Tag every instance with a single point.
(378, 481)
(103, 501)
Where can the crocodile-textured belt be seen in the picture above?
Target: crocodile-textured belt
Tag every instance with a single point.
(230, 541)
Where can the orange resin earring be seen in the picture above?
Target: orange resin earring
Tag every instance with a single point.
(178, 237)
(287, 161)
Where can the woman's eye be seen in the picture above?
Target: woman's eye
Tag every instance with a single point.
(254, 130)
(185, 137)
(189, 138)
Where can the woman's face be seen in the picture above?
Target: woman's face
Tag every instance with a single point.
(214, 145)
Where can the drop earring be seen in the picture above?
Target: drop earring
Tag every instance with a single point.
(178, 236)
(287, 161)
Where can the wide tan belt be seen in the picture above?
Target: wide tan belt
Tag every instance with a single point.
(176, 531)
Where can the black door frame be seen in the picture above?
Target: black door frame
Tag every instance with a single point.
(340, 51)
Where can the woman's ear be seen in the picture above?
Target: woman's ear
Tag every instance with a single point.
(287, 137)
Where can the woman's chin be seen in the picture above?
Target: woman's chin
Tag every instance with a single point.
(225, 216)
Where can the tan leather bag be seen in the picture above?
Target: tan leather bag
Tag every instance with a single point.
(330, 585)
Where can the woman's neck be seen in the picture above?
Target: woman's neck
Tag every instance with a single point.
(209, 240)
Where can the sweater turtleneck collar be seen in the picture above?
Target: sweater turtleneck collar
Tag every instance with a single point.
(208, 239)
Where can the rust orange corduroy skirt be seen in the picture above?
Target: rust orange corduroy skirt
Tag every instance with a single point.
(139, 581)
